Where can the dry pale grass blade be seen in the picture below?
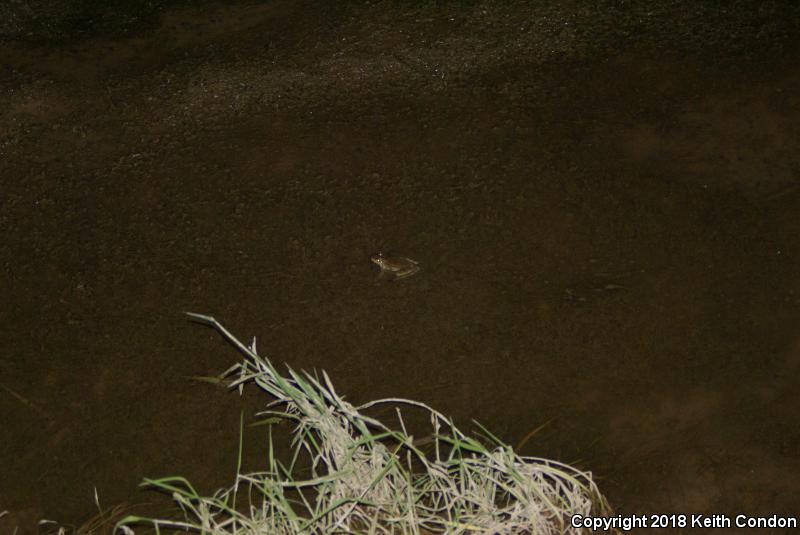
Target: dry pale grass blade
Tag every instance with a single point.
(103, 523)
(362, 476)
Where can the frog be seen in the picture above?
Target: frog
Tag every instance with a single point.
(397, 267)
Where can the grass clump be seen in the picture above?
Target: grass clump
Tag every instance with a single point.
(361, 476)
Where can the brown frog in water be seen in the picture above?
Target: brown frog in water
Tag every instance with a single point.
(397, 267)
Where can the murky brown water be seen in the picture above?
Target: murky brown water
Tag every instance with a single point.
(607, 227)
